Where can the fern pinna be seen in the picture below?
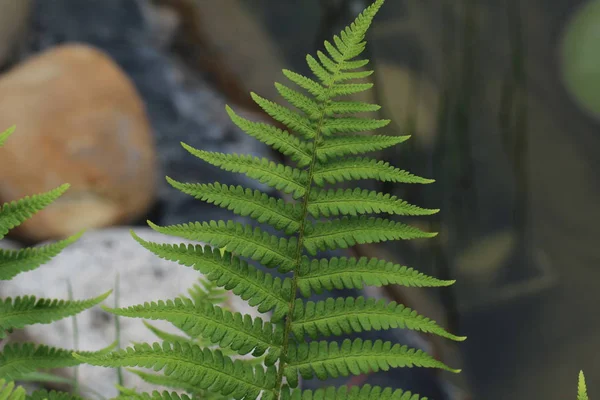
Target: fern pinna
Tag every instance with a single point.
(324, 142)
(17, 360)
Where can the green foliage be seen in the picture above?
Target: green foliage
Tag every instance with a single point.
(581, 388)
(18, 360)
(324, 142)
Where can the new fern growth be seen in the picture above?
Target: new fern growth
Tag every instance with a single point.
(19, 360)
(324, 140)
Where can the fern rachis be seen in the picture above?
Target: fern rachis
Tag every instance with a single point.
(324, 139)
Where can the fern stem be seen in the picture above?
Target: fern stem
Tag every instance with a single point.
(76, 388)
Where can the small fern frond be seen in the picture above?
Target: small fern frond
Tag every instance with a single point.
(230, 330)
(10, 391)
(18, 211)
(581, 388)
(282, 141)
(4, 135)
(360, 201)
(300, 101)
(52, 395)
(245, 240)
(19, 359)
(162, 380)
(351, 107)
(351, 124)
(259, 288)
(317, 275)
(208, 292)
(365, 392)
(289, 118)
(245, 202)
(362, 168)
(14, 262)
(203, 368)
(129, 394)
(347, 315)
(277, 176)
(331, 359)
(27, 310)
(344, 145)
(348, 231)
(166, 336)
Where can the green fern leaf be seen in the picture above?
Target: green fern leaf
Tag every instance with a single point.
(19, 359)
(351, 107)
(10, 391)
(129, 394)
(360, 201)
(245, 202)
(203, 368)
(348, 125)
(16, 212)
(366, 392)
(280, 177)
(27, 310)
(166, 336)
(362, 168)
(348, 231)
(343, 145)
(52, 395)
(305, 83)
(253, 285)
(244, 240)
(14, 262)
(581, 388)
(281, 141)
(289, 118)
(330, 359)
(240, 333)
(4, 135)
(346, 315)
(162, 380)
(322, 274)
(302, 102)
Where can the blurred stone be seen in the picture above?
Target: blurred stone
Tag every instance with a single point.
(98, 257)
(14, 21)
(79, 121)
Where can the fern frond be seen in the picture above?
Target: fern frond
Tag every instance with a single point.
(360, 201)
(10, 391)
(52, 395)
(581, 388)
(14, 262)
(207, 292)
(19, 359)
(343, 145)
(307, 84)
(18, 211)
(346, 89)
(289, 118)
(245, 202)
(278, 176)
(130, 394)
(330, 359)
(362, 168)
(4, 135)
(351, 107)
(162, 380)
(282, 141)
(230, 330)
(244, 240)
(259, 288)
(365, 392)
(27, 310)
(203, 368)
(347, 315)
(317, 275)
(301, 102)
(350, 124)
(166, 336)
(348, 231)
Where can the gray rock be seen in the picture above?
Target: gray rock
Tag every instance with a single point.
(91, 265)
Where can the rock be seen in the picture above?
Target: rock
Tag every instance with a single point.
(9, 245)
(84, 124)
(92, 264)
(14, 19)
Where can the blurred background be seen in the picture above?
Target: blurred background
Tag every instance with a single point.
(502, 99)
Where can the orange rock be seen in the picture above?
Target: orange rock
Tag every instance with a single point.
(79, 121)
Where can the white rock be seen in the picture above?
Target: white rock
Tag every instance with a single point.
(91, 265)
